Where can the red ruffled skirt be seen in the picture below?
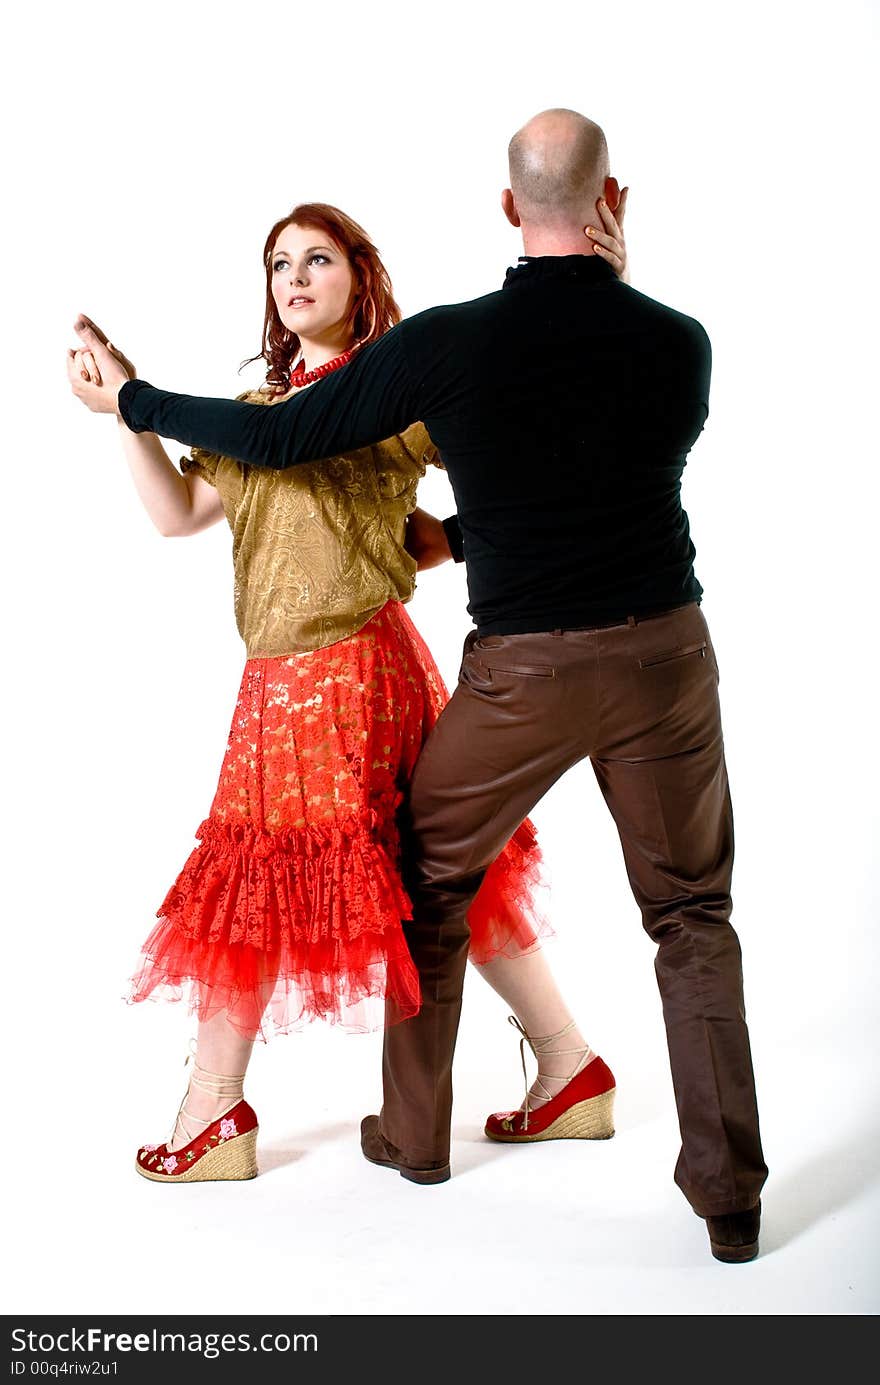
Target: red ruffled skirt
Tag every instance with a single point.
(290, 908)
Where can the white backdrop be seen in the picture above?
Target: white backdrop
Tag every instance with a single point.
(148, 151)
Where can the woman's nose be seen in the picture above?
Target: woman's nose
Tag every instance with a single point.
(299, 276)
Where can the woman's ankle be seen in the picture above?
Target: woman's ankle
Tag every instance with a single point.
(561, 1057)
(209, 1096)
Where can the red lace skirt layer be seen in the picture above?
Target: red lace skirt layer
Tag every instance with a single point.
(290, 908)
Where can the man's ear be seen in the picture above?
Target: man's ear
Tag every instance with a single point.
(611, 193)
(508, 206)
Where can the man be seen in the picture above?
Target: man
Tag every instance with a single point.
(564, 406)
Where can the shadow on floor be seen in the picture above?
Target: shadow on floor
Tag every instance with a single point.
(818, 1188)
(275, 1156)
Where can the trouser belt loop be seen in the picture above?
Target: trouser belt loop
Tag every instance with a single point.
(631, 621)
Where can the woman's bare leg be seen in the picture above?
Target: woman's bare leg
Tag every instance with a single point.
(221, 1059)
(528, 986)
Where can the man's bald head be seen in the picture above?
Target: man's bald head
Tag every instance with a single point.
(558, 167)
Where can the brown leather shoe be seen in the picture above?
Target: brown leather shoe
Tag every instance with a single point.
(376, 1148)
(734, 1238)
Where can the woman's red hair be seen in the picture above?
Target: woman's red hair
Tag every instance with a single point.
(373, 308)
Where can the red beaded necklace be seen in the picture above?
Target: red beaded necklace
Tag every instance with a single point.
(299, 376)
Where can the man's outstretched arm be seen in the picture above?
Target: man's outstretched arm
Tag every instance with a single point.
(369, 399)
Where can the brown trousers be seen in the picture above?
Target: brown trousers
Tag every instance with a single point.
(640, 699)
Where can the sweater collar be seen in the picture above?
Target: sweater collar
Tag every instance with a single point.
(530, 268)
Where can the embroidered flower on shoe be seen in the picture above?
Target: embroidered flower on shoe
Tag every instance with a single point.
(169, 1164)
(149, 1149)
(227, 1129)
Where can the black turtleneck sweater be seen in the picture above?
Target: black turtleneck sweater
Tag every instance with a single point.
(564, 406)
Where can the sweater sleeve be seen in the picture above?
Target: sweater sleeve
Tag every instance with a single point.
(452, 530)
(371, 398)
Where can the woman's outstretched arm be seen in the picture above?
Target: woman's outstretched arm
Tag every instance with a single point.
(178, 505)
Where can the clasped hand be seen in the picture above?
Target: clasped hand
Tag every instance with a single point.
(97, 370)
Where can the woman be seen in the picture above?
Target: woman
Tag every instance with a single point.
(291, 906)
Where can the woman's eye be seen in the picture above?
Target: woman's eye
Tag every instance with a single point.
(281, 264)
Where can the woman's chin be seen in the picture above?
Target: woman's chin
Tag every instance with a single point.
(298, 320)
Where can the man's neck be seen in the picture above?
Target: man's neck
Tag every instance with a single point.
(564, 240)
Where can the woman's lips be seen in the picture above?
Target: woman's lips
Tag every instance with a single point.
(300, 302)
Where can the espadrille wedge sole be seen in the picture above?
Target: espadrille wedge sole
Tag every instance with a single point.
(232, 1159)
(592, 1119)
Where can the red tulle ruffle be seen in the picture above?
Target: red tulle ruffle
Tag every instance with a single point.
(282, 928)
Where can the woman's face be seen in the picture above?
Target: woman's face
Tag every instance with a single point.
(312, 284)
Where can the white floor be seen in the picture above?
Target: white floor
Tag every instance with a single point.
(564, 1228)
